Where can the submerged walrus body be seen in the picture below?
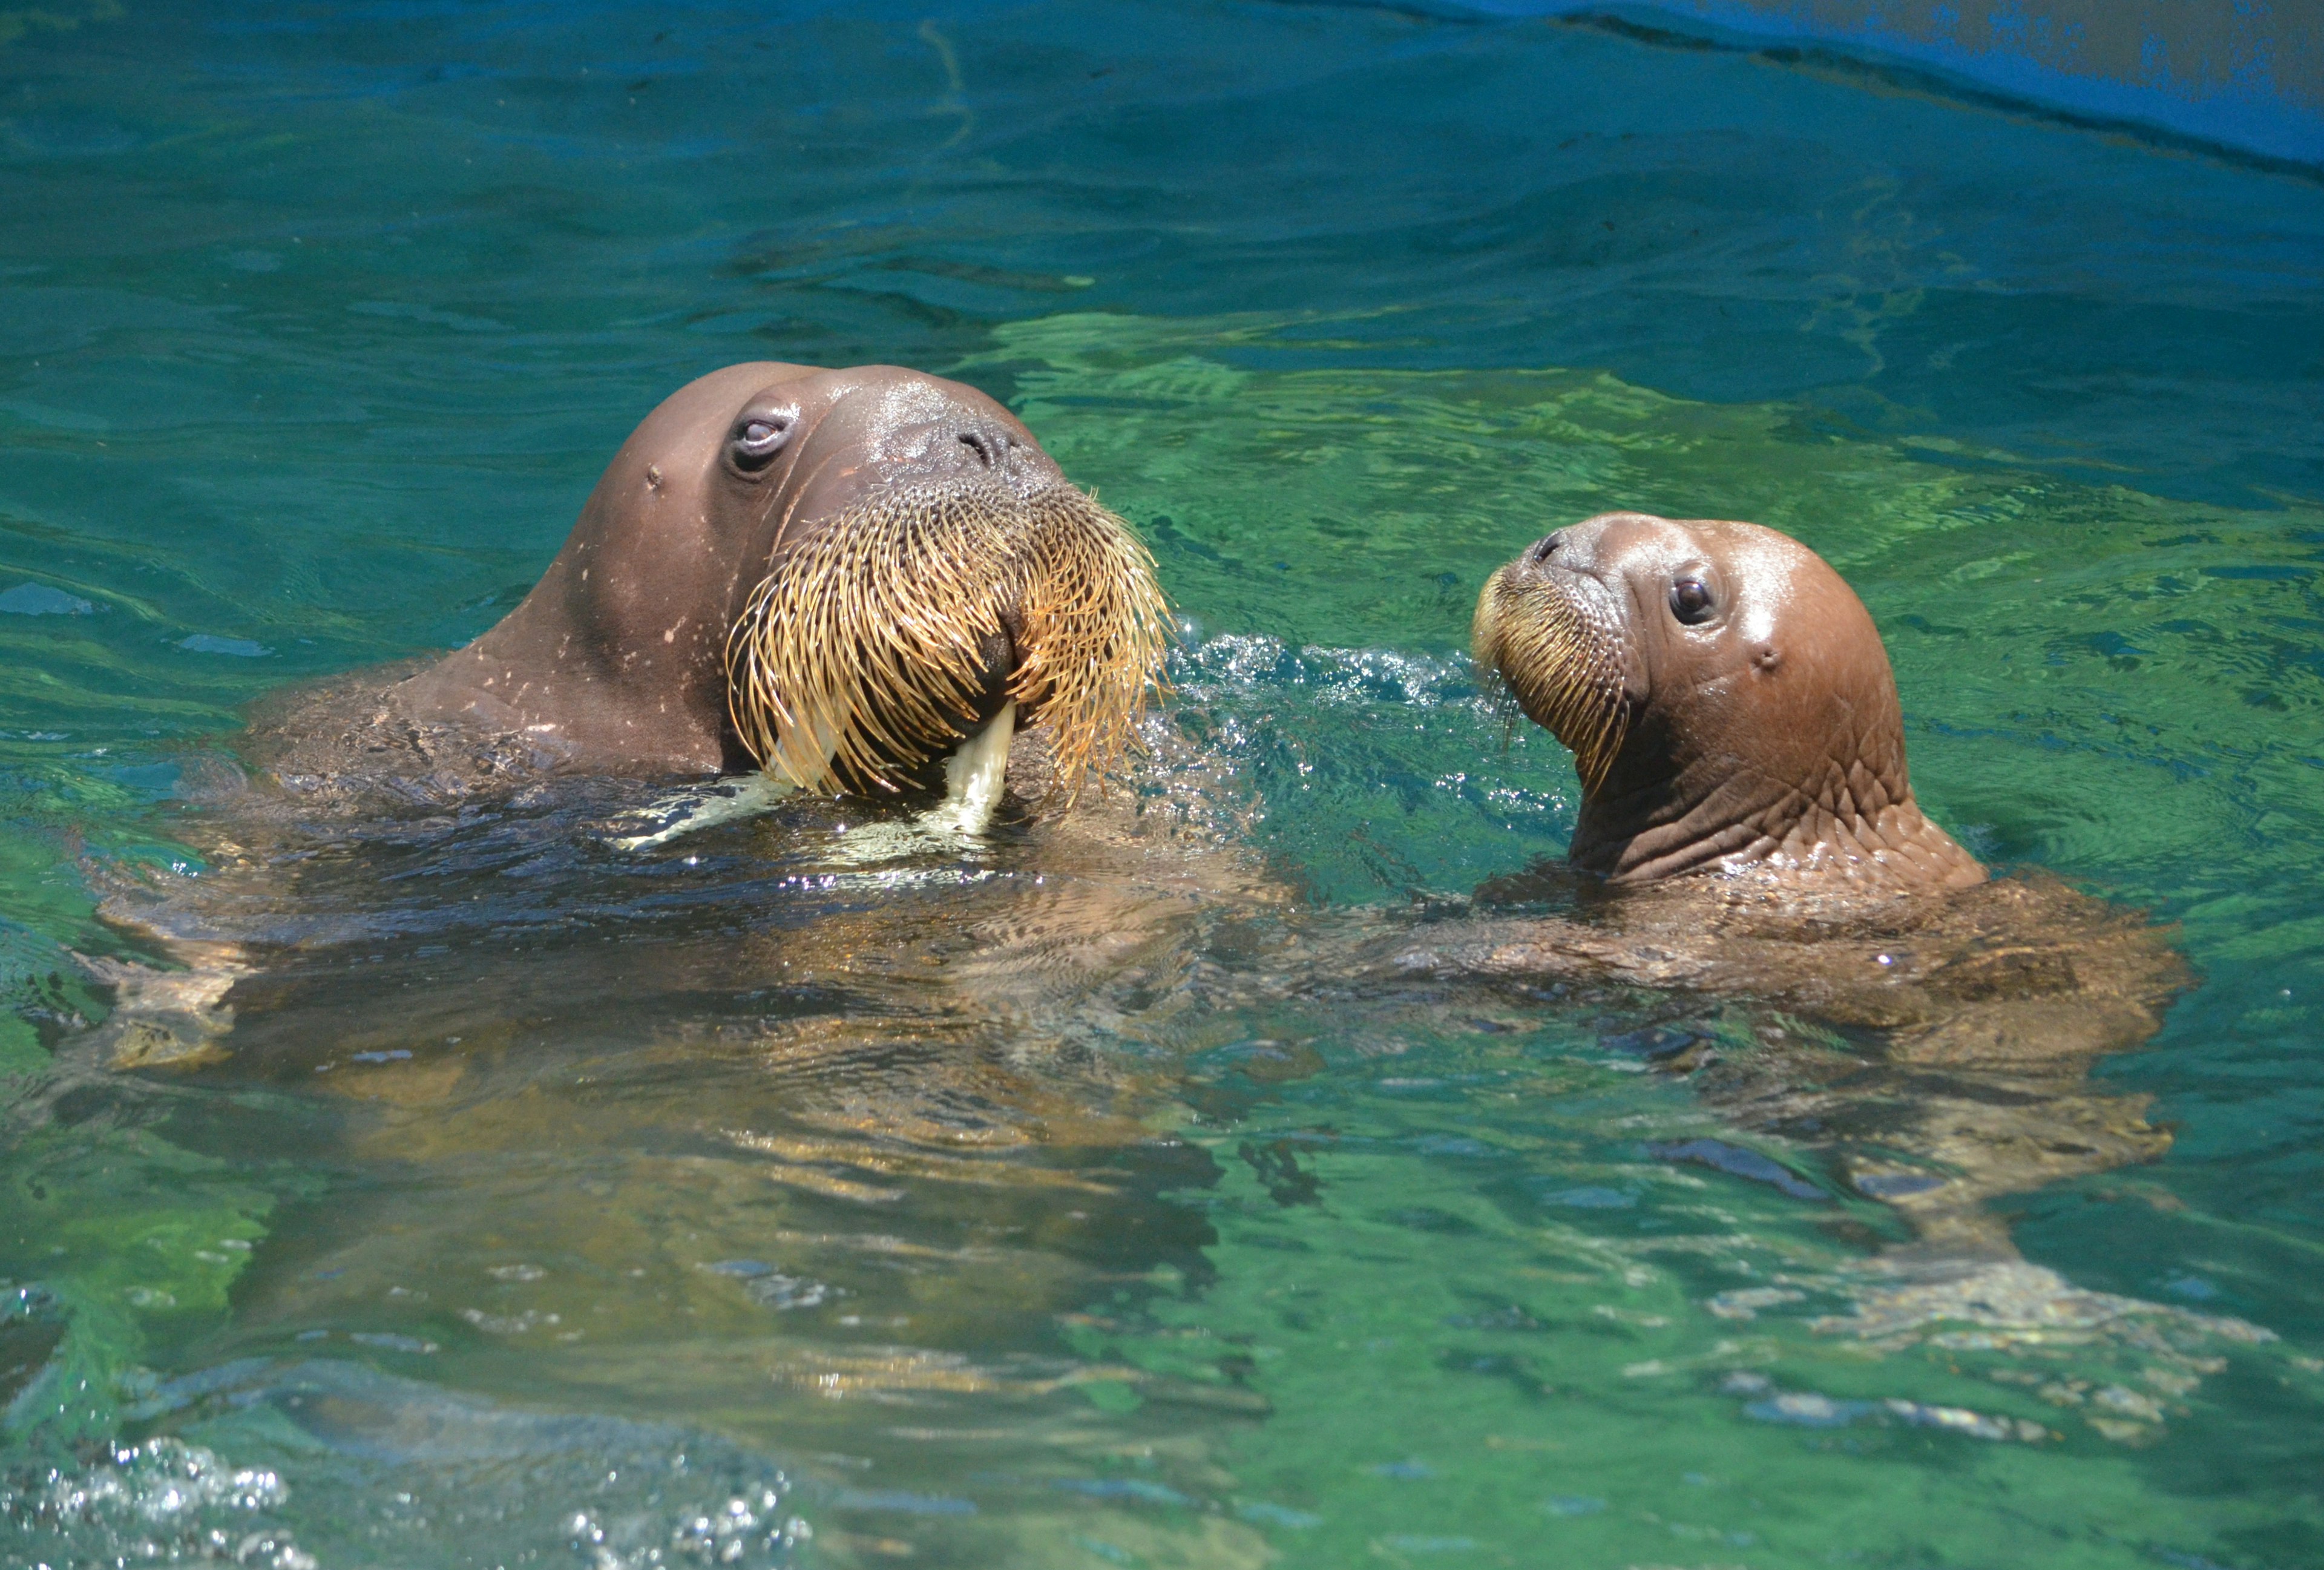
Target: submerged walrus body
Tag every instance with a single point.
(1835, 969)
(1929, 1052)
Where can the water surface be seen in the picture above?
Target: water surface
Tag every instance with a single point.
(743, 1204)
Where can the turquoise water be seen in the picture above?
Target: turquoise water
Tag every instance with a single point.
(550, 1208)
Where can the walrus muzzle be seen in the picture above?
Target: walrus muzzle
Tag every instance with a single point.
(1551, 642)
(885, 638)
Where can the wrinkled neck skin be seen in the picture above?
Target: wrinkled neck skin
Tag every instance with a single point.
(617, 658)
(1670, 805)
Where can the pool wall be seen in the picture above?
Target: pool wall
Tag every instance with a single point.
(2241, 74)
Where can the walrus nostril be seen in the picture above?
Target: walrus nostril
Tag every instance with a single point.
(1546, 548)
(987, 449)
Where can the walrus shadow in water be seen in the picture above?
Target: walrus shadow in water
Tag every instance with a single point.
(1836, 971)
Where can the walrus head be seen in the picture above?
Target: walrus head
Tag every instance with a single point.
(835, 575)
(1727, 699)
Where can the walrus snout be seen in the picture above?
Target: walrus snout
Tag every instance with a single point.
(970, 445)
(919, 429)
(930, 564)
(893, 631)
(1545, 635)
(1590, 547)
(988, 446)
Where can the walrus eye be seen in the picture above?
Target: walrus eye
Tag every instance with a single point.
(758, 439)
(1691, 601)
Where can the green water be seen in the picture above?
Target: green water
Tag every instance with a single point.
(554, 1208)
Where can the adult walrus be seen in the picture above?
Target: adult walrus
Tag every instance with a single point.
(852, 580)
(836, 576)
(1839, 971)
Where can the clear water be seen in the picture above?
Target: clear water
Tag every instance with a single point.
(557, 1209)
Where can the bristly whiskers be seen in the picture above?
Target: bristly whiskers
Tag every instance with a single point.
(869, 648)
(1559, 661)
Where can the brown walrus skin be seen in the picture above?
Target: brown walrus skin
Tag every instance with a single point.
(618, 653)
(1749, 841)
(1727, 698)
(620, 659)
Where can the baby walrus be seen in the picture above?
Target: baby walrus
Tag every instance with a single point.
(1749, 841)
(1727, 701)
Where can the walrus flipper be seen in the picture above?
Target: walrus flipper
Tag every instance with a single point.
(699, 806)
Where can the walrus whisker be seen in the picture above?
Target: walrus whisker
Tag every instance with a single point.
(867, 608)
(870, 640)
(795, 492)
(1547, 653)
(1095, 627)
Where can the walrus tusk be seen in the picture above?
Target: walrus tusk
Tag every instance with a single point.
(171, 1018)
(975, 777)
